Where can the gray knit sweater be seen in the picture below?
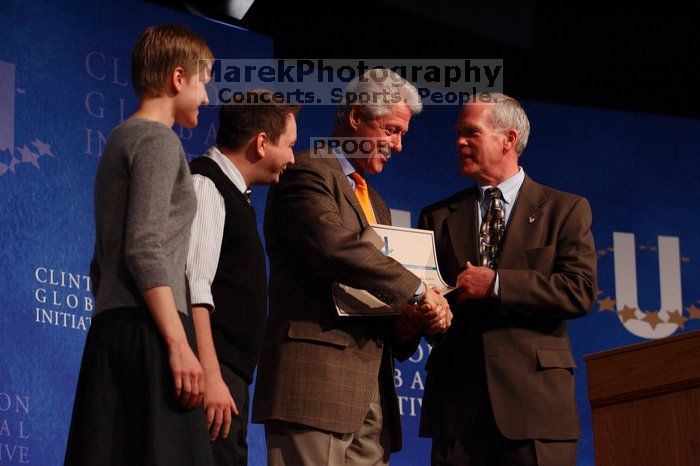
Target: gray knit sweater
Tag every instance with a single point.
(144, 207)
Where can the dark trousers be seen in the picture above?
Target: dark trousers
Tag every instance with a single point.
(233, 450)
(484, 445)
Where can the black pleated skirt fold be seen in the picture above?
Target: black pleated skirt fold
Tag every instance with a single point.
(125, 411)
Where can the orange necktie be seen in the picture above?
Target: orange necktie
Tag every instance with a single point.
(362, 194)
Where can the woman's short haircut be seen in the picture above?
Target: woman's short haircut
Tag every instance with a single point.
(161, 49)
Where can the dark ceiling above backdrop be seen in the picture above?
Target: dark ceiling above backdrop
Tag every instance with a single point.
(610, 57)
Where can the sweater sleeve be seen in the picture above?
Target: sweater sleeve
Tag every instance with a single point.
(153, 169)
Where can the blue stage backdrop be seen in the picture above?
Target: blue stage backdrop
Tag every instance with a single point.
(64, 84)
(64, 73)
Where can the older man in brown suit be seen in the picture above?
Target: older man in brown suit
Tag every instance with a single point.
(325, 384)
(500, 383)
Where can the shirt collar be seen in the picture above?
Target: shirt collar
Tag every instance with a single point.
(509, 187)
(345, 164)
(228, 167)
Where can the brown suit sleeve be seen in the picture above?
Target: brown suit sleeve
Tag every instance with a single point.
(569, 290)
(307, 214)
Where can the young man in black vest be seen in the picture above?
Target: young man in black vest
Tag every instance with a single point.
(226, 261)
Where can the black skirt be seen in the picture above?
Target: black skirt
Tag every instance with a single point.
(125, 410)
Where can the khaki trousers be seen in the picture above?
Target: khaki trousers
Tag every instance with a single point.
(290, 444)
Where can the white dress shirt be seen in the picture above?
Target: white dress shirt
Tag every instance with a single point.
(208, 229)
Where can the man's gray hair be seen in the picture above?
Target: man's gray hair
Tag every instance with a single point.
(507, 113)
(377, 90)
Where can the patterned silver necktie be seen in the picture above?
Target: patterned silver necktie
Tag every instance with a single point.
(492, 228)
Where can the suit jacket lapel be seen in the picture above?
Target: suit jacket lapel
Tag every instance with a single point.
(352, 199)
(381, 212)
(347, 190)
(524, 219)
(462, 227)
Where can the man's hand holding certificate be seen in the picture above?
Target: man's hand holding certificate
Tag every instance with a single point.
(415, 250)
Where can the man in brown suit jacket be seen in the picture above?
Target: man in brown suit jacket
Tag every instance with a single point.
(325, 384)
(500, 383)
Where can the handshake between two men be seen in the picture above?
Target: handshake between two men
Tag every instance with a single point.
(430, 315)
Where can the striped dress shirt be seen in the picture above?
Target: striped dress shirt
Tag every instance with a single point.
(208, 229)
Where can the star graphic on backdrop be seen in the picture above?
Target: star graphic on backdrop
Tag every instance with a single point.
(42, 147)
(598, 292)
(652, 248)
(602, 252)
(627, 313)
(21, 91)
(607, 304)
(4, 168)
(652, 318)
(13, 162)
(641, 246)
(28, 156)
(693, 312)
(611, 249)
(685, 259)
(676, 317)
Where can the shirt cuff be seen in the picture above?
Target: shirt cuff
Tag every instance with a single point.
(419, 292)
(496, 288)
(200, 294)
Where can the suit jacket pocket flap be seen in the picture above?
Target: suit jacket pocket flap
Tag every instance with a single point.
(548, 358)
(312, 331)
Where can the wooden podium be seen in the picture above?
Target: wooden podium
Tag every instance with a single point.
(645, 400)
